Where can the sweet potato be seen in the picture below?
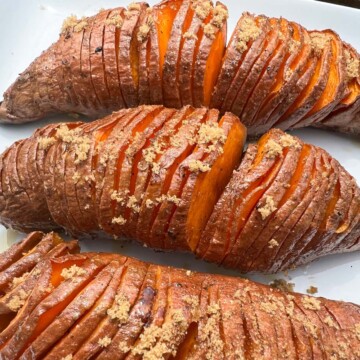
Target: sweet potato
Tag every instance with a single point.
(174, 180)
(272, 73)
(134, 309)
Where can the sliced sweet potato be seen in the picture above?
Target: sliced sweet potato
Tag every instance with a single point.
(246, 32)
(335, 88)
(159, 182)
(118, 314)
(124, 308)
(112, 26)
(189, 42)
(145, 142)
(269, 74)
(170, 66)
(156, 215)
(285, 87)
(206, 191)
(208, 55)
(345, 117)
(128, 53)
(271, 43)
(97, 61)
(308, 97)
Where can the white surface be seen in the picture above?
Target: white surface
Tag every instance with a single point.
(28, 27)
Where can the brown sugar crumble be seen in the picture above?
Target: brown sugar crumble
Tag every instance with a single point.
(67, 357)
(273, 243)
(118, 220)
(115, 20)
(282, 285)
(72, 22)
(209, 31)
(104, 342)
(18, 301)
(72, 271)
(247, 32)
(268, 208)
(352, 65)
(202, 8)
(80, 142)
(220, 16)
(198, 166)
(120, 309)
(273, 149)
(155, 342)
(318, 42)
(311, 303)
(143, 32)
(189, 35)
(312, 290)
(45, 142)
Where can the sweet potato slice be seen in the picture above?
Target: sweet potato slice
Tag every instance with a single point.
(175, 148)
(345, 116)
(206, 191)
(189, 42)
(285, 88)
(271, 43)
(128, 53)
(118, 314)
(97, 61)
(312, 92)
(170, 66)
(245, 46)
(79, 306)
(138, 317)
(335, 87)
(269, 73)
(110, 51)
(209, 52)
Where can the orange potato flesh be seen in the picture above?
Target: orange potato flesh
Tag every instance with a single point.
(354, 89)
(213, 64)
(331, 205)
(210, 185)
(332, 85)
(165, 18)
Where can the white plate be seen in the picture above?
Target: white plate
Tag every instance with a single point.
(28, 27)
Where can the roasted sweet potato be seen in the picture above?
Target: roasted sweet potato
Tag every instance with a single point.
(110, 307)
(272, 73)
(174, 180)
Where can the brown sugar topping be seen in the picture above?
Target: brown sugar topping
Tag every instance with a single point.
(247, 32)
(120, 309)
(282, 285)
(352, 65)
(268, 208)
(116, 20)
(72, 271)
(311, 303)
(73, 23)
(202, 8)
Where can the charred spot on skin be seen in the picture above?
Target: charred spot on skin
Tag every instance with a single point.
(98, 49)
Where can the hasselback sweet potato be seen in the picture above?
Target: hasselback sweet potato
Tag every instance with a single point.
(272, 73)
(174, 180)
(82, 306)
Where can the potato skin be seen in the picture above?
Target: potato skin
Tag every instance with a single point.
(139, 173)
(111, 306)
